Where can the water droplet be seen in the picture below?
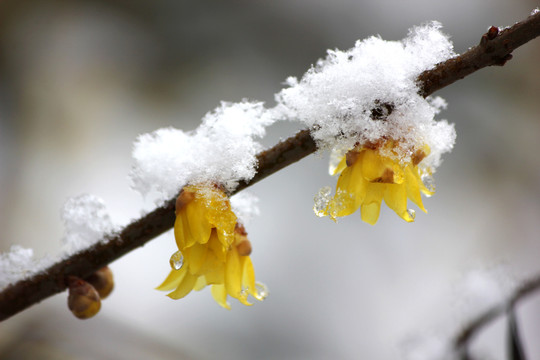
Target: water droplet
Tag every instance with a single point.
(177, 260)
(261, 291)
(411, 213)
(429, 183)
(321, 201)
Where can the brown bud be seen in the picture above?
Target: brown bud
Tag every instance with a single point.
(83, 299)
(243, 245)
(102, 280)
(183, 199)
(492, 32)
(244, 248)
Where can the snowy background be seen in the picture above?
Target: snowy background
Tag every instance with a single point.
(79, 80)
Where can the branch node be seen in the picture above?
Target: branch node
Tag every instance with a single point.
(492, 32)
(502, 60)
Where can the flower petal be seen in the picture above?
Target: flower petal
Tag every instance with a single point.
(188, 236)
(233, 274)
(198, 224)
(373, 168)
(179, 231)
(372, 203)
(184, 287)
(395, 198)
(413, 187)
(200, 283)
(172, 281)
(219, 293)
(197, 257)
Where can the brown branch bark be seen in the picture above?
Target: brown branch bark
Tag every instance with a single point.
(494, 49)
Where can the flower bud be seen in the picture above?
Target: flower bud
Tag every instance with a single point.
(102, 280)
(243, 245)
(83, 299)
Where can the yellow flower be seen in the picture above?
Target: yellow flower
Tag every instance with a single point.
(213, 249)
(371, 173)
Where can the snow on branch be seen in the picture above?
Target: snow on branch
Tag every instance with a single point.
(495, 48)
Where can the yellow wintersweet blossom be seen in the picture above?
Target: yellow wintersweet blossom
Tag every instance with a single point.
(213, 249)
(370, 173)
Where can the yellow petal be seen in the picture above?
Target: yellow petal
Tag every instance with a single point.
(372, 203)
(233, 274)
(395, 197)
(350, 191)
(197, 257)
(200, 284)
(184, 287)
(217, 247)
(372, 166)
(219, 293)
(172, 281)
(413, 188)
(179, 232)
(225, 238)
(188, 236)
(198, 224)
(216, 275)
(248, 273)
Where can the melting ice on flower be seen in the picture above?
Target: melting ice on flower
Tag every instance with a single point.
(213, 249)
(364, 105)
(212, 244)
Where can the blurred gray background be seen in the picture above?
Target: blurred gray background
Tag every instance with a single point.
(79, 80)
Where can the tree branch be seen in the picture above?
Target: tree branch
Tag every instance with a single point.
(466, 335)
(494, 49)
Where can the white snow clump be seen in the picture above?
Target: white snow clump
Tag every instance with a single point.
(86, 222)
(221, 150)
(244, 205)
(337, 98)
(18, 264)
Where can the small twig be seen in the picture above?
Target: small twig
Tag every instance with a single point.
(466, 335)
(494, 49)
